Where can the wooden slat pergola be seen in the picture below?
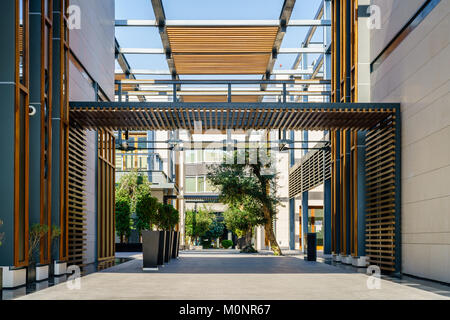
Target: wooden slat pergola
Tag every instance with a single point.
(268, 116)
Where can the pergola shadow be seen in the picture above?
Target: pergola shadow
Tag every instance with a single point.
(207, 263)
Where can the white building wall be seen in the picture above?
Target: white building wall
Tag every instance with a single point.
(282, 222)
(417, 75)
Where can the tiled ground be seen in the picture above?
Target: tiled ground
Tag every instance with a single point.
(226, 275)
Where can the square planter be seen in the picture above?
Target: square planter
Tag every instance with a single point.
(161, 247)
(31, 274)
(150, 248)
(41, 272)
(168, 247)
(13, 277)
(59, 268)
(174, 245)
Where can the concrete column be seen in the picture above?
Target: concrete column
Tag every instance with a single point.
(260, 238)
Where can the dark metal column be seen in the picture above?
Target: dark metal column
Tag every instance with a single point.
(35, 120)
(56, 125)
(292, 224)
(7, 94)
(305, 217)
(398, 191)
(361, 207)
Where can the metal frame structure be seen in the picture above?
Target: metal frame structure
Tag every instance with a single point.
(237, 104)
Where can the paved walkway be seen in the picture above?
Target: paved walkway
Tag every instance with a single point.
(225, 275)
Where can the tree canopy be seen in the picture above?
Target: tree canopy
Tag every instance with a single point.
(131, 186)
(252, 180)
(146, 212)
(123, 217)
(168, 217)
(197, 223)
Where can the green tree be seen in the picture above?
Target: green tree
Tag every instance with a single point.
(36, 233)
(241, 220)
(131, 185)
(146, 212)
(168, 217)
(243, 181)
(197, 223)
(123, 217)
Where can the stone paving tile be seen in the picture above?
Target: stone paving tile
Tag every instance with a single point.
(226, 275)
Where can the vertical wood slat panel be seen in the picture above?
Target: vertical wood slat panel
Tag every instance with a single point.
(106, 200)
(381, 197)
(77, 190)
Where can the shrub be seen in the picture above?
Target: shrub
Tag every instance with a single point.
(227, 243)
(168, 217)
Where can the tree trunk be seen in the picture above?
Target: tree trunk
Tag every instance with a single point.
(248, 238)
(268, 228)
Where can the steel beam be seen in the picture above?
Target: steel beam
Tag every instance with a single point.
(160, 17)
(222, 23)
(163, 51)
(285, 16)
(167, 72)
(217, 81)
(141, 51)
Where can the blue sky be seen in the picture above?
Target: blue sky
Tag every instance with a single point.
(148, 37)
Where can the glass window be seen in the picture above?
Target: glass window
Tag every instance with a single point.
(199, 156)
(190, 156)
(128, 162)
(190, 185)
(141, 143)
(210, 155)
(200, 184)
(142, 162)
(119, 162)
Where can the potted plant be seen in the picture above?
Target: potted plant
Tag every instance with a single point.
(36, 233)
(147, 211)
(168, 218)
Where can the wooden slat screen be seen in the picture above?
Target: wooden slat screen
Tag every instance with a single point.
(165, 116)
(222, 50)
(106, 196)
(310, 173)
(77, 196)
(381, 196)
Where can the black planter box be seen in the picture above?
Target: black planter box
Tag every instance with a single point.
(161, 247)
(179, 243)
(311, 247)
(168, 247)
(31, 274)
(150, 248)
(175, 244)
